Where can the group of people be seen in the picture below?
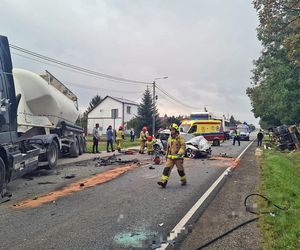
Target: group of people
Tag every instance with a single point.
(111, 135)
(174, 153)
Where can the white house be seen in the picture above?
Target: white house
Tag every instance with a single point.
(123, 110)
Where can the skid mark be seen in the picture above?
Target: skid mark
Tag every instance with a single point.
(75, 187)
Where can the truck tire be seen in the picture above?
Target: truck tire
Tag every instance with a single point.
(216, 143)
(81, 145)
(52, 155)
(74, 148)
(2, 178)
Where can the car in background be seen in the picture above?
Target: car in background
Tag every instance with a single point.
(195, 145)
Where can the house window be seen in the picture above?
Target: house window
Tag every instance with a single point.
(128, 110)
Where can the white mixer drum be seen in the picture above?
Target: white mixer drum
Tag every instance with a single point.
(41, 104)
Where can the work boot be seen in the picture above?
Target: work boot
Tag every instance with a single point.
(162, 184)
(183, 183)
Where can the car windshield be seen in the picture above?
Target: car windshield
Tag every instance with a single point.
(184, 128)
(187, 137)
(244, 130)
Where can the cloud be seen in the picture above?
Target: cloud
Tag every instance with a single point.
(205, 48)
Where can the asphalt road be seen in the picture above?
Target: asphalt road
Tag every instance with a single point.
(130, 211)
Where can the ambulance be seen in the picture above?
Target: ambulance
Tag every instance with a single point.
(211, 130)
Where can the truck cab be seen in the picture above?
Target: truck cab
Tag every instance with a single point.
(16, 154)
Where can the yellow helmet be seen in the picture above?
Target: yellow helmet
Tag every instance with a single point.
(174, 126)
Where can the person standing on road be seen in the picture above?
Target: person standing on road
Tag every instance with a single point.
(109, 139)
(143, 139)
(237, 134)
(174, 154)
(260, 137)
(132, 134)
(96, 138)
(120, 138)
(149, 144)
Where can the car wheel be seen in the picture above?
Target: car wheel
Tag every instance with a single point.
(216, 143)
(190, 153)
(157, 148)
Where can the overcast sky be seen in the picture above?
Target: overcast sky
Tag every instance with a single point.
(206, 48)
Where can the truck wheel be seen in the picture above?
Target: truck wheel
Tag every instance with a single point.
(2, 178)
(216, 143)
(74, 148)
(52, 155)
(190, 153)
(81, 145)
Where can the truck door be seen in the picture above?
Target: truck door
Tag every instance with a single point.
(4, 113)
(7, 94)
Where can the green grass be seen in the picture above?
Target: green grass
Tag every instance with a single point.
(102, 146)
(281, 182)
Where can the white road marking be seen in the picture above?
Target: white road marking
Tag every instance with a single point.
(181, 224)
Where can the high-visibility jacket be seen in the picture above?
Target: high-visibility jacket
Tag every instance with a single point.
(176, 147)
(120, 135)
(143, 136)
(237, 132)
(150, 144)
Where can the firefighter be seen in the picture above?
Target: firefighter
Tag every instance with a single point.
(143, 139)
(175, 153)
(149, 144)
(120, 138)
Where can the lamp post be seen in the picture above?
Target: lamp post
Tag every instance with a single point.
(153, 100)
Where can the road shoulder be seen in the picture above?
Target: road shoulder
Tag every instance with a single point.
(227, 211)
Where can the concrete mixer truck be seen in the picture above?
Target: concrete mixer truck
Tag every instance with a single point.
(37, 120)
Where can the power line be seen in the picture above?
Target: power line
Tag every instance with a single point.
(175, 99)
(63, 68)
(97, 88)
(77, 68)
(167, 98)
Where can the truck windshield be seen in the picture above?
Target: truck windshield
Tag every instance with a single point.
(184, 128)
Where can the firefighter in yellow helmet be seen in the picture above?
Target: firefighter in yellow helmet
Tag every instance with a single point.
(120, 138)
(175, 153)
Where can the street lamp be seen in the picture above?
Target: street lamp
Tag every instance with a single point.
(153, 100)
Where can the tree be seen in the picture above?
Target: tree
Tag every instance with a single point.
(275, 90)
(146, 110)
(93, 103)
(168, 120)
(232, 121)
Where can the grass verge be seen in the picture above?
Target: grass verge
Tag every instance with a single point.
(102, 146)
(281, 182)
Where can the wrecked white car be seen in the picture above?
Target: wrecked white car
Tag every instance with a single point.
(197, 146)
(194, 146)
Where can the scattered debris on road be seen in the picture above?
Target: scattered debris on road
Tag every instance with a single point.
(46, 182)
(113, 160)
(70, 176)
(77, 186)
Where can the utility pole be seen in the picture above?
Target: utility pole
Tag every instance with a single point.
(153, 114)
(153, 102)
